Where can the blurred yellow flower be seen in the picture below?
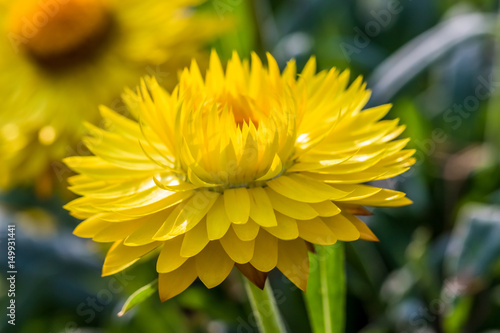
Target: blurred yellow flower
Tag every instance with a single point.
(61, 58)
(242, 168)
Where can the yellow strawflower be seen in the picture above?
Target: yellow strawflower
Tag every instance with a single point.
(245, 167)
(60, 58)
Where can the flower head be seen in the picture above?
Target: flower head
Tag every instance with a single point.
(61, 58)
(244, 167)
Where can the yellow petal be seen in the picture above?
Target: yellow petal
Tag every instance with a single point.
(261, 208)
(342, 228)
(380, 198)
(173, 184)
(388, 203)
(217, 221)
(163, 233)
(354, 209)
(294, 209)
(187, 215)
(309, 70)
(237, 204)
(118, 231)
(170, 258)
(316, 232)
(173, 283)
(286, 228)
(364, 231)
(90, 227)
(145, 233)
(120, 123)
(304, 189)
(194, 211)
(215, 74)
(120, 256)
(98, 168)
(194, 240)
(118, 217)
(325, 208)
(293, 261)
(275, 168)
(247, 231)
(149, 205)
(265, 255)
(357, 191)
(240, 251)
(361, 177)
(213, 265)
(111, 189)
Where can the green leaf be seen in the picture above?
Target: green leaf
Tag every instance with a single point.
(264, 308)
(325, 297)
(139, 296)
(409, 61)
(473, 249)
(456, 319)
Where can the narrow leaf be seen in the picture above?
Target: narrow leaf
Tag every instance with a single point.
(415, 56)
(139, 296)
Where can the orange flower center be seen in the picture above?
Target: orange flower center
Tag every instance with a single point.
(59, 32)
(241, 108)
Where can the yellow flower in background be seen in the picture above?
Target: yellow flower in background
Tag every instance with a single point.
(245, 167)
(61, 58)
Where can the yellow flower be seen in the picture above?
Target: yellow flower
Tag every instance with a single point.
(60, 58)
(242, 168)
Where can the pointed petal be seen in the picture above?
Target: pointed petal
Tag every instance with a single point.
(194, 240)
(261, 208)
(255, 276)
(364, 231)
(293, 261)
(193, 212)
(144, 234)
(186, 215)
(90, 227)
(118, 231)
(342, 228)
(173, 283)
(354, 209)
(316, 231)
(304, 189)
(325, 208)
(120, 256)
(170, 258)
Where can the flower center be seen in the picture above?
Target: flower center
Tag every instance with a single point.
(59, 33)
(241, 109)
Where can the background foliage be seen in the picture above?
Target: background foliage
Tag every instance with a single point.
(436, 268)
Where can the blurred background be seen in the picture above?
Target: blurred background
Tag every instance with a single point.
(437, 265)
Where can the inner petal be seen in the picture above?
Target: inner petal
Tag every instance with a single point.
(241, 108)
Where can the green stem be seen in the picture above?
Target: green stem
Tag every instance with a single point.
(264, 308)
(325, 297)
